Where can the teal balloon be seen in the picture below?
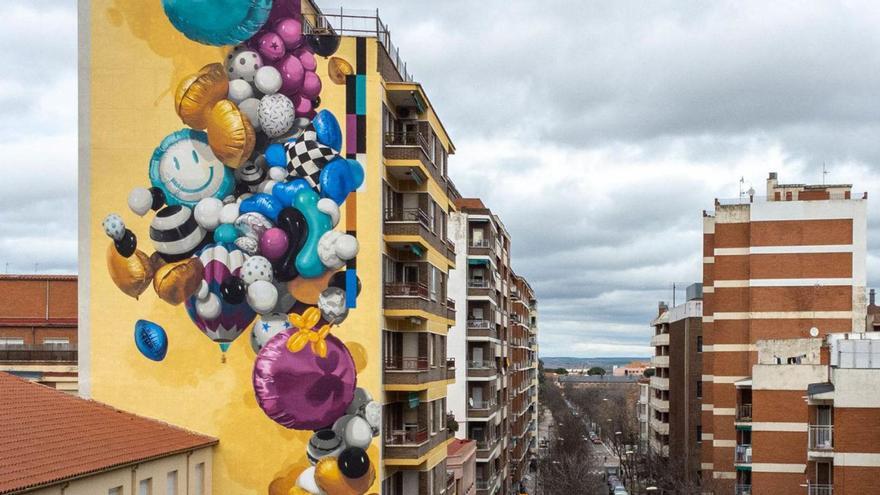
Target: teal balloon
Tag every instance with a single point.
(218, 22)
(308, 263)
(226, 233)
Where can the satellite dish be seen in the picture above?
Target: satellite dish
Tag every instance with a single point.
(814, 332)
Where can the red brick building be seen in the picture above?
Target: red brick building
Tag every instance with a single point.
(38, 328)
(781, 273)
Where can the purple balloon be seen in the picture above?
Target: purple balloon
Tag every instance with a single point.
(311, 86)
(304, 107)
(301, 390)
(273, 243)
(292, 74)
(271, 46)
(290, 30)
(307, 59)
(285, 8)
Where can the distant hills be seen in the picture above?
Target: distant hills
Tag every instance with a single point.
(603, 362)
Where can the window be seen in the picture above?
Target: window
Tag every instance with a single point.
(699, 343)
(57, 341)
(699, 433)
(430, 408)
(116, 490)
(435, 282)
(11, 341)
(145, 487)
(699, 389)
(199, 479)
(171, 483)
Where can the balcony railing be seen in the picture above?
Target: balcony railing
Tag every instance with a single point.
(481, 404)
(742, 454)
(478, 284)
(406, 437)
(821, 437)
(743, 490)
(479, 324)
(399, 289)
(414, 138)
(820, 489)
(450, 304)
(39, 352)
(481, 243)
(408, 215)
(744, 412)
(481, 365)
(400, 363)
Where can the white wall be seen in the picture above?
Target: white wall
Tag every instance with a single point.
(456, 340)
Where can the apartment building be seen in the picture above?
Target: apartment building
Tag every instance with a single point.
(644, 414)
(676, 387)
(780, 273)
(38, 329)
(494, 398)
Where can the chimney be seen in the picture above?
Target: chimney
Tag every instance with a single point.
(871, 297)
(661, 308)
(772, 182)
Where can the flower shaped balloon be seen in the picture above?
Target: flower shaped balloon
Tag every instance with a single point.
(307, 333)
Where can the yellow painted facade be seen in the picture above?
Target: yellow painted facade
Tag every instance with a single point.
(137, 59)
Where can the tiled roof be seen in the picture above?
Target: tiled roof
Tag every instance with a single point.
(36, 276)
(48, 436)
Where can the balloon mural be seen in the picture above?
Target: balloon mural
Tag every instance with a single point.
(246, 198)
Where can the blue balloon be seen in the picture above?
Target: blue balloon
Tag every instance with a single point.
(226, 233)
(151, 340)
(328, 131)
(218, 22)
(265, 204)
(275, 155)
(286, 191)
(339, 178)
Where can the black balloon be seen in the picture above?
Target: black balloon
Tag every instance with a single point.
(292, 222)
(316, 102)
(241, 188)
(338, 280)
(158, 198)
(127, 245)
(323, 44)
(233, 290)
(353, 462)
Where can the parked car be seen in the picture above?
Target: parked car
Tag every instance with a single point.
(596, 440)
(620, 490)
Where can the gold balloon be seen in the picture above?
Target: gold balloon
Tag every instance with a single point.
(230, 134)
(331, 480)
(307, 290)
(175, 282)
(197, 94)
(133, 274)
(298, 491)
(337, 69)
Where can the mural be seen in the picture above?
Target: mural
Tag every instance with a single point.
(243, 204)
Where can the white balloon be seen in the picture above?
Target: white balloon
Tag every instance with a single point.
(347, 246)
(373, 415)
(257, 268)
(229, 213)
(267, 80)
(329, 208)
(140, 201)
(358, 433)
(267, 186)
(248, 244)
(207, 213)
(204, 291)
(251, 109)
(361, 398)
(277, 114)
(280, 173)
(240, 90)
(114, 226)
(268, 326)
(208, 308)
(307, 482)
(262, 296)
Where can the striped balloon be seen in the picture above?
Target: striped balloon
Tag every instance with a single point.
(222, 261)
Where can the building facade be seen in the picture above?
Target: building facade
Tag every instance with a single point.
(676, 387)
(780, 273)
(38, 328)
(495, 398)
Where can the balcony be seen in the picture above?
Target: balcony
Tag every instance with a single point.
(450, 368)
(821, 440)
(481, 247)
(402, 370)
(482, 288)
(659, 383)
(40, 353)
(660, 339)
(481, 369)
(661, 361)
(659, 426)
(820, 489)
(408, 444)
(481, 408)
(406, 150)
(744, 413)
(481, 329)
(742, 454)
(660, 404)
(743, 490)
(414, 296)
(411, 222)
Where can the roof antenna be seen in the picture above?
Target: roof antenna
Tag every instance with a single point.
(742, 180)
(824, 172)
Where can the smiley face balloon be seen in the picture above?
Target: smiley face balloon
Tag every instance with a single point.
(186, 170)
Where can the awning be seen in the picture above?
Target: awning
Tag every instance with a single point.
(478, 261)
(413, 400)
(744, 427)
(819, 388)
(744, 383)
(416, 250)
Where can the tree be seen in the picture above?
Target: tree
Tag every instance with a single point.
(649, 372)
(561, 371)
(596, 370)
(451, 424)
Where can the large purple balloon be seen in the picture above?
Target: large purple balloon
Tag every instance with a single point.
(290, 30)
(292, 74)
(301, 390)
(270, 46)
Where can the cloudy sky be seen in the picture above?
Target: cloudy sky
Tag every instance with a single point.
(598, 131)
